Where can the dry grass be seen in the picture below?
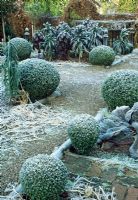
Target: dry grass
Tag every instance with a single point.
(81, 189)
(30, 122)
(85, 189)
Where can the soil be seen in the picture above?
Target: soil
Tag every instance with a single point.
(27, 130)
(80, 84)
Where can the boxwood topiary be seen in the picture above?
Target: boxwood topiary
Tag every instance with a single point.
(22, 46)
(121, 88)
(101, 55)
(38, 77)
(43, 177)
(83, 132)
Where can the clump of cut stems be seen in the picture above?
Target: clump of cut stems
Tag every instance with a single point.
(85, 189)
(11, 72)
(12, 83)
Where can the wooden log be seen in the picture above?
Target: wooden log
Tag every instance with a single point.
(58, 153)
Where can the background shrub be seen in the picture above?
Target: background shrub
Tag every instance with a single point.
(101, 55)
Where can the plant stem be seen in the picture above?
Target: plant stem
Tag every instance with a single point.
(3, 28)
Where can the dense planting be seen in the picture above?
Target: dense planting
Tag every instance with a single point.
(63, 45)
(56, 42)
(38, 77)
(101, 55)
(43, 177)
(83, 132)
(121, 88)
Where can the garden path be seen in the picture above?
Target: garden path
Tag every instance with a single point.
(28, 130)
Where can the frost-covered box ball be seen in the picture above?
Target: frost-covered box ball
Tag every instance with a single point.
(38, 77)
(102, 55)
(83, 131)
(121, 89)
(43, 177)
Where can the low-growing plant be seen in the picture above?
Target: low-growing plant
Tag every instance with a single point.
(122, 44)
(48, 29)
(63, 26)
(38, 39)
(64, 45)
(95, 37)
(80, 41)
(77, 40)
(49, 47)
(88, 24)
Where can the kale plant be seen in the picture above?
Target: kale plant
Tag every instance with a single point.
(122, 44)
(63, 26)
(80, 41)
(49, 43)
(48, 29)
(49, 46)
(38, 39)
(95, 37)
(64, 44)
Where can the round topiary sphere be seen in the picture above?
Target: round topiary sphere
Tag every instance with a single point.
(38, 77)
(102, 55)
(43, 177)
(121, 88)
(22, 46)
(83, 132)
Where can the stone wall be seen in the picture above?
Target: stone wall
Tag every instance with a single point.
(122, 175)
(126, 16)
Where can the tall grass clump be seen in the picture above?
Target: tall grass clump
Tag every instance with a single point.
(11, 74)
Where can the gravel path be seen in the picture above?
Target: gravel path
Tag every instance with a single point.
(80, 83)
(3, 101)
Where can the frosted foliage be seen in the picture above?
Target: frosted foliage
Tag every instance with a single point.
(38, 77)
(43, 177)
(101, 55)
(22, 46)
(83, 132)
(121, 88)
